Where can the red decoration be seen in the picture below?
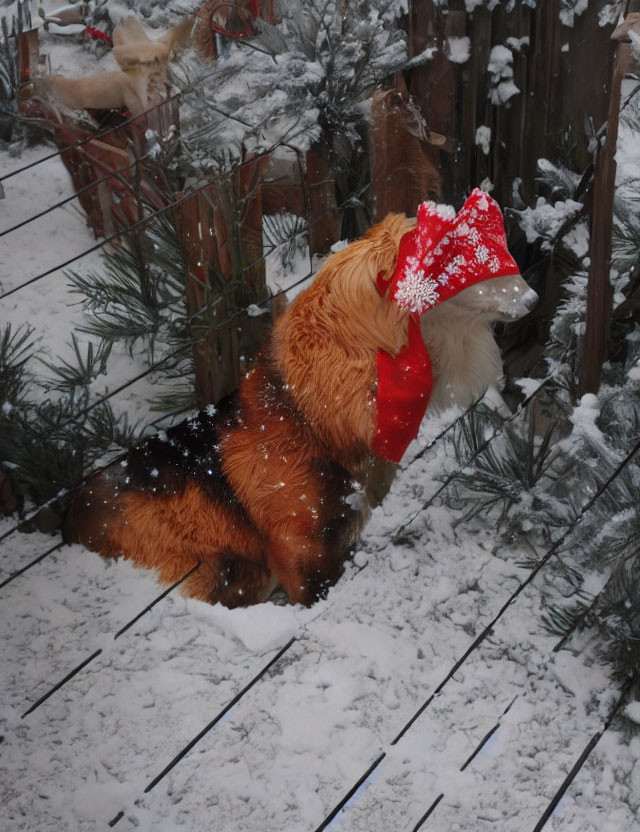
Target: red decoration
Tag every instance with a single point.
(404, 388)
(446, 253)
(244, 15)
(97, 34)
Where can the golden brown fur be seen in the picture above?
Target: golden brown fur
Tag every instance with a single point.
(288, 447)
(258, 493)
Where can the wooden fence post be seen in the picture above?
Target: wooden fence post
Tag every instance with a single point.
(599, 291)
(325, 220)
(221, 230)
(403, 155)
(28, 56)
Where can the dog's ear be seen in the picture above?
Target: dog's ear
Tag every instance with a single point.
(385, 241)
(353, 273)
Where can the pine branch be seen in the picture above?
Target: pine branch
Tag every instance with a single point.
(86, 369)
(16, 350)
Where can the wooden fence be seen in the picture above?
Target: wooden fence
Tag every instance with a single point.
(562, 75)
(422, 143)
(561, 78)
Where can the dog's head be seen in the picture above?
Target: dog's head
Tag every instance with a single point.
(505, 298)
(447, 254)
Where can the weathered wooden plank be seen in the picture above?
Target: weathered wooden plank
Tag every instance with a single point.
(481, 31)
(461, 128)
(326, 223)
(599, 290)
(86, 597)
(402, 170)
(221, 231)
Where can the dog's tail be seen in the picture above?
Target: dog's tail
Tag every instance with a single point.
(93, 509)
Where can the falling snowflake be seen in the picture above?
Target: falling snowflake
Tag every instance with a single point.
(417, 292)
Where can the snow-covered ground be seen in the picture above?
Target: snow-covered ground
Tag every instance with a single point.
(350, 677)
(426, 676)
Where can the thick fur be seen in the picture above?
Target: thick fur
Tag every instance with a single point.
(257, 491)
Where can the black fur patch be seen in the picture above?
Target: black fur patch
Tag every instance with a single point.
(189, 451)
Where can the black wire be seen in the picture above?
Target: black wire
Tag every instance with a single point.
(77, 193)
(173, 204)
(99, 135)
(127, 230)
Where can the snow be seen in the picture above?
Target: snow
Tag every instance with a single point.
(571, 10)
(609, 14)
(632, 711)
(483, 138)
(361, 664)
(545, 219)
(459, 49)
(500, 66)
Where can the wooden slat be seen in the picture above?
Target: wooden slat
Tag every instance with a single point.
(85, 597)
(323, 205)
(600, 291)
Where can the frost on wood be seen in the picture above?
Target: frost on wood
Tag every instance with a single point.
(570, 9)
(483, 138)
(458, 49)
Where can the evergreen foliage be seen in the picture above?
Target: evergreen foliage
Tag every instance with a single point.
(285, 234)
(302, 81)
(49, 442)
(138, 298)
(511, 472)
(10, 125)
(139, 294)
(534, 481)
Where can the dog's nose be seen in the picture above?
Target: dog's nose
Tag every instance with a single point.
(530, 299)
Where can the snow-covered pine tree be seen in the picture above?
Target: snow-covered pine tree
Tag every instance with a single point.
(303, 80)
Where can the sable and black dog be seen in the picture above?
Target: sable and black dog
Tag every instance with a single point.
(257, 489)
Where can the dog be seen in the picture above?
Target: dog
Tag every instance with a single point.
(258, 491)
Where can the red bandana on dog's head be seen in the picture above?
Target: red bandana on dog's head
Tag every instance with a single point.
(446, 253)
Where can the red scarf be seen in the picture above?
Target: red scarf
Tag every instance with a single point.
(443, 255)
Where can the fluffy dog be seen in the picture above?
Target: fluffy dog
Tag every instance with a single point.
(258, 490)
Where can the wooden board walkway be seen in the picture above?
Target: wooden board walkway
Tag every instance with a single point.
(422, 694)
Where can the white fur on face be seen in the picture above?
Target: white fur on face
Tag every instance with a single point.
(500, 298)
(459, 338)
